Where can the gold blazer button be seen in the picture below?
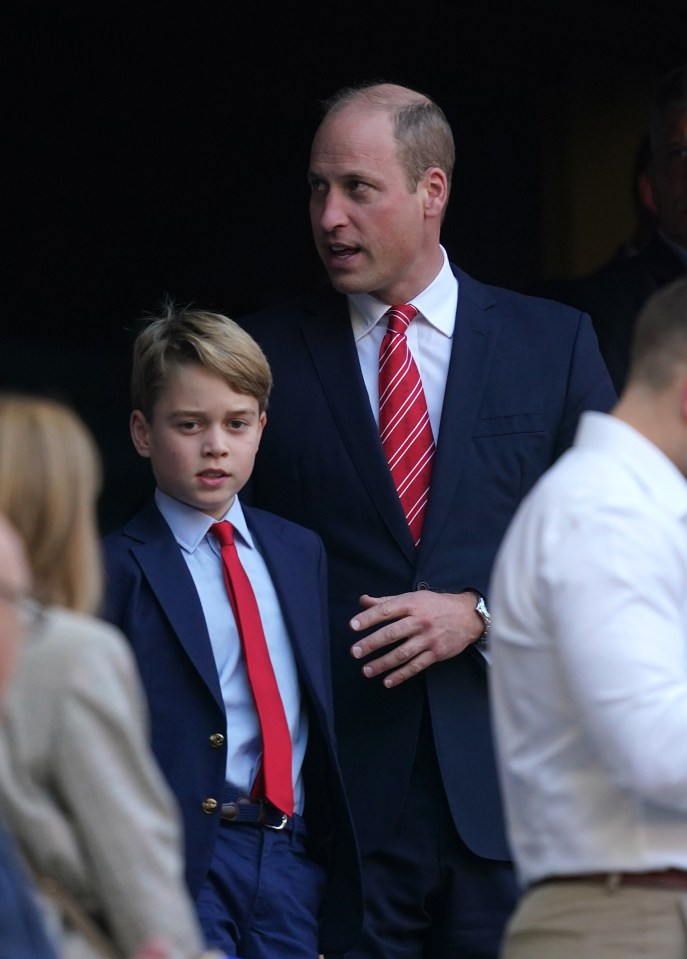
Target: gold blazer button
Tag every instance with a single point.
(209, 805)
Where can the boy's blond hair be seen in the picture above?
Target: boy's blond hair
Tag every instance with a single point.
(183, 336)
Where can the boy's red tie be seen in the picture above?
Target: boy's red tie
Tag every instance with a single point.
(274, 778)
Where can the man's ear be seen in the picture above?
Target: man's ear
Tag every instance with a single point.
(435, 185)
(645, 191)
(140, 433)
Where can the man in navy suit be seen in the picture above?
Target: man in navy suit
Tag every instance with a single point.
(272, 863)
(505, 379)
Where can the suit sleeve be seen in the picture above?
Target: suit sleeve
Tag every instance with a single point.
(589, 384)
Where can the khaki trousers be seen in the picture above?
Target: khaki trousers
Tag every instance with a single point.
(579, 920)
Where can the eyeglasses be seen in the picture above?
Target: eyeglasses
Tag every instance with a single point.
(31, 611)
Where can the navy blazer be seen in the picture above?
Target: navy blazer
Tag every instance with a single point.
(22, 933)
(151, 597)
(522, 370)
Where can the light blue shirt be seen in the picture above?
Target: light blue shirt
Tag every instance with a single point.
(202, 556)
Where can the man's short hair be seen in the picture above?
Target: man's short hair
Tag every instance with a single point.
(659, 343)
(421, 129)
(183, 336)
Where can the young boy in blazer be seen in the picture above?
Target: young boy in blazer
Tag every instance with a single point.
(225, 608)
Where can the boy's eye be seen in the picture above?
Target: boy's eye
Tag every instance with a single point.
(237, 424)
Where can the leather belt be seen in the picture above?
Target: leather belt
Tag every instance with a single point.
(254, 812)
(660, 879)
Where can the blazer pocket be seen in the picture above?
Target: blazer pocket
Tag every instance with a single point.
(508, 425)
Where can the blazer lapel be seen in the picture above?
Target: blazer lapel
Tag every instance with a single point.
(160, 559)
(328, 336)
(297, 606)
(474, 338)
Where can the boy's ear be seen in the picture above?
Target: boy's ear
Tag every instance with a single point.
(140, 433)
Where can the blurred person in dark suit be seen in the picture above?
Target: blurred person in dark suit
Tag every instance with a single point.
(614, 295)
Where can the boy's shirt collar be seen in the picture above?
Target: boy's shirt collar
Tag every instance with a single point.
(190, 526)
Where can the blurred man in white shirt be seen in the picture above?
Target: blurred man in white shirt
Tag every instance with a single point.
(589, 672)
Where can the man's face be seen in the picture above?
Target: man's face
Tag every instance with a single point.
(201, 439)
(372, 234)
(669, 176)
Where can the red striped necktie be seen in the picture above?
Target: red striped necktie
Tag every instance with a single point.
(274, 778)
(404, 425)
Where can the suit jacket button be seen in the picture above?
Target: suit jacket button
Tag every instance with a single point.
(209, 805)
(216, 740)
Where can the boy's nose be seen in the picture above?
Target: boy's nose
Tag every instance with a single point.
(215, 445)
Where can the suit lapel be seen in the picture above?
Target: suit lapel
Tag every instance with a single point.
(329, 339)
(163, 566)
(300, 609)
(474, 337)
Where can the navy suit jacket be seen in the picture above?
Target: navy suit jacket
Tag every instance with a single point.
(22, 933)
(522, 370)
(151, 597)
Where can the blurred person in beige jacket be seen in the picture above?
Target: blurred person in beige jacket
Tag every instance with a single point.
(79, 787)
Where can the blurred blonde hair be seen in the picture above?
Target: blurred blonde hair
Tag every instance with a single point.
(50, 476)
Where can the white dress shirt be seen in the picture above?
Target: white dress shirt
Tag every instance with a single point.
(429, 338)
(202, 555)
(589, 670)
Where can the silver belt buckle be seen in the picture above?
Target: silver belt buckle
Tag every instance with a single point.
(282, 824)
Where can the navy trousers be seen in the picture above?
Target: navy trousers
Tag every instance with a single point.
(262, 896)
(427, 896)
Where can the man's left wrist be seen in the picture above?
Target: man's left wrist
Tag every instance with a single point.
(482, 611)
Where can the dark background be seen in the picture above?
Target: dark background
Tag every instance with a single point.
(152, 152)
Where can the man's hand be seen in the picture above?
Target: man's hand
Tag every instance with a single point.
(432, 627)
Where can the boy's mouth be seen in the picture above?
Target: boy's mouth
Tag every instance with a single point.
(212, 479)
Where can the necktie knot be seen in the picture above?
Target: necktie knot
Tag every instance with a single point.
(223, 533)
(400, 318)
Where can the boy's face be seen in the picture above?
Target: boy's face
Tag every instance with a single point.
(201, 439)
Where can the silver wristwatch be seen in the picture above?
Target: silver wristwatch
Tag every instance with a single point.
(483, 612)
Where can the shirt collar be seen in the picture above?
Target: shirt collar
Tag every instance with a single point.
(366, 310)
(190, 526)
